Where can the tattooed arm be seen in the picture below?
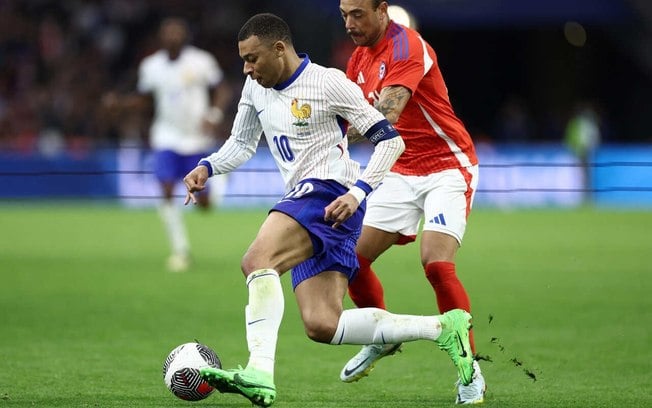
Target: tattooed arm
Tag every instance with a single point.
(391, 102)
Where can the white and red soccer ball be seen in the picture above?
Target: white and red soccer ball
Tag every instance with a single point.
(181, 371)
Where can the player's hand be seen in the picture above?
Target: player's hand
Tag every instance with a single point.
(341, 209)
(195, 181)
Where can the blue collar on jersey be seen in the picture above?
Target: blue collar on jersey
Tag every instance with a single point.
(304, 64)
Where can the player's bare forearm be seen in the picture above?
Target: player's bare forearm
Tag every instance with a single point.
(392, 101)
(354, 136)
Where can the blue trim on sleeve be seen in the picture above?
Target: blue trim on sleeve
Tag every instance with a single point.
(382, 130)
(208, 165)
(363, 186)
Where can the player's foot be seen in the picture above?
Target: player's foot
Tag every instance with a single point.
(178, 262)
(454, 339)
(362, 363)
(255, 385)
(474, 392)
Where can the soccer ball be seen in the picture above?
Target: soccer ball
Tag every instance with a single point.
(181, 371)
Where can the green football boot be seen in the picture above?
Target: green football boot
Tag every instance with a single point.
(255, 385)
(454, 339)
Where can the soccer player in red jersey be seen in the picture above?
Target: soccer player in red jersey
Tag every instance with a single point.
(435, 178)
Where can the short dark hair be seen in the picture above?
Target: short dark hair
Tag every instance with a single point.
(266, 26)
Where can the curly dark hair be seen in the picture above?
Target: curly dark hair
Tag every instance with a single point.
(267, 27)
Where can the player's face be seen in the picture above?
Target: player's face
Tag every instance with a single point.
(263, 62)
(364, 23)
(173, 35)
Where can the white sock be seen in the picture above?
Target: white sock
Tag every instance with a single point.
(377, 326)
(176, 230)
(263, 317)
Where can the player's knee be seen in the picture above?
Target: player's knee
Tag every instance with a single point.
(252, 261)
(250, 264)
(321, 329)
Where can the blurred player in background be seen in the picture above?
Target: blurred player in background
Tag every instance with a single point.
(184, 84)
(313, 229)
(435, 178)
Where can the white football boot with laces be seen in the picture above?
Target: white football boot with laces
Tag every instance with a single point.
(473, 393)
(362, 363)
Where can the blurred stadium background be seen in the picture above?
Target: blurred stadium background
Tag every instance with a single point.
(88, 312)
(518, 74)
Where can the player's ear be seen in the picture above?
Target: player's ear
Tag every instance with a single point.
(279, 48)
(382, 8)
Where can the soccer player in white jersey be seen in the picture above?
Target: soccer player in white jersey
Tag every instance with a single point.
(302, 107)
(186, 86)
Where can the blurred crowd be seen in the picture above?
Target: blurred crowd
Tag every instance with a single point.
(58, 59)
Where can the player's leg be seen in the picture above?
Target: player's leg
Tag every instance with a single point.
(320, 303)
(392, 218)
(446, 209)
(280, 244)
(168, 167)
(365, 289)
(438, 258)
(320, 297)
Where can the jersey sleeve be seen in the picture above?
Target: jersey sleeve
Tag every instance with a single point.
(245, 134)
(407, 66)
(345, 99)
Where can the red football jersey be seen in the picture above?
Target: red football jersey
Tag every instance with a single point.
(435, 138)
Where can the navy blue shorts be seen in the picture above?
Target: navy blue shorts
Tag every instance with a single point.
(173, 167)
(333, 248)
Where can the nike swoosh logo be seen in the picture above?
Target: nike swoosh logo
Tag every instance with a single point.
(255, 321)
(259, 112)
(463, 354)
(348, 372)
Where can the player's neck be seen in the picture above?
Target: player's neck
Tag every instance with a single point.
(174, 53)
(381, 34)
(293, 62)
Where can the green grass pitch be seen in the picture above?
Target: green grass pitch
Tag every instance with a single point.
(88, 312)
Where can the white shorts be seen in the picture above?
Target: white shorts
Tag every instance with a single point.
(442, 199)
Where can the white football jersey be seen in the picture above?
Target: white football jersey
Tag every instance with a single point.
(302, 120)
(181, 98)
